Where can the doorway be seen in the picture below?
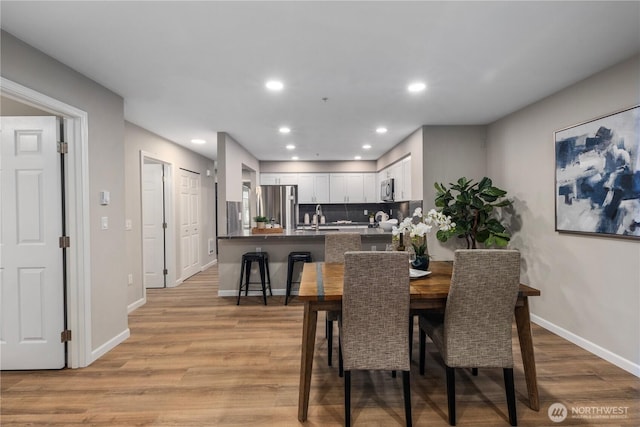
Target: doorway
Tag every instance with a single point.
(189, 223)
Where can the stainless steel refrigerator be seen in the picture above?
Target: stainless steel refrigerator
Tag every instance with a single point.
(279, 203)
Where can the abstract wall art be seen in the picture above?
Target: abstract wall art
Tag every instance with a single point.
(598, 176)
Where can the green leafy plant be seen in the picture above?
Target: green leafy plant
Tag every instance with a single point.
(260, 218)
(471, 206)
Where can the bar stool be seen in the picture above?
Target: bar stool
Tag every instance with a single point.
(262, 258)
(292, 259)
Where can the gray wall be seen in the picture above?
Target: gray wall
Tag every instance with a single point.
(29, 67)
(590, 285)
(138, 139)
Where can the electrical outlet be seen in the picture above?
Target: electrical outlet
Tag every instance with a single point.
(366, 212)
(374, 248)
(130, 279)
(258, 249)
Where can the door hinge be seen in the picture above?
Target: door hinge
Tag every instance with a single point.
(63, 147)
(65, 335)
(165, 271)
(65, 242)
(164, 225)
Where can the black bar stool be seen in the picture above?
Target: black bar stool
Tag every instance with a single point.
(262, 258)
(292, 259)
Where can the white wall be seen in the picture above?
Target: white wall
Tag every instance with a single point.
(590, 285)
(320, 166)
(138, 139)
(31, 68)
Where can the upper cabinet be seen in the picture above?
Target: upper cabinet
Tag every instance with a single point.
(401, 174)
(370, 188)
(313, 188)
(278, 179)
(346, 187)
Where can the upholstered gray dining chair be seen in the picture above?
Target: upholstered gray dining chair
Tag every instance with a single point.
(374, 327)
(335, 245)
(475, 329)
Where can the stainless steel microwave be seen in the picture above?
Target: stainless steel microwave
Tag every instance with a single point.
(386, 190)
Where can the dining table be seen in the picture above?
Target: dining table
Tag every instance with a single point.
(321, 290)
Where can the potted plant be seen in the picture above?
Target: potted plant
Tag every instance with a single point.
(260, 221)
(471, 205)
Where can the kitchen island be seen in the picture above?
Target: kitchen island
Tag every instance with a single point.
(278, 245)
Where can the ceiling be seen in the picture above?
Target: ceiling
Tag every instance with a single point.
(192, 69)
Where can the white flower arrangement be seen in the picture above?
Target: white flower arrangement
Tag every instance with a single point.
(419, 225)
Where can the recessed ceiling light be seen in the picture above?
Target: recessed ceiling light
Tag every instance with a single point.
(294, 158)
(358, 157)
(198, 141)
(381, 130)
(284, 129)
(366, 146)
(274, 85)
(416, 87)
(291, 147)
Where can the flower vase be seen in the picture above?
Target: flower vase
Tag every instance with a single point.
(421, 262)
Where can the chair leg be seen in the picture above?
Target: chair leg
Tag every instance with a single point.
(423, 344)
(262, 280)
(451, 394)
(406, 387)
(329, 340)
(340, 364)
(289, 279)
(347, 398)
(240, 284)
(266, 267)
(511, 395)
(247, 272)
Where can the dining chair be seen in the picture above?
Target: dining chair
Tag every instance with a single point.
(374, 325)
(475, 329)
(335, 245)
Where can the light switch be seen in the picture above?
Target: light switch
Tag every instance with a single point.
(127, 224)
(105, 222)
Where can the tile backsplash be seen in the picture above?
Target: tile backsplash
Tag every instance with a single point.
(355, 211)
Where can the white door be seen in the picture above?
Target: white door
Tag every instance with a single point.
(31, 269)
(153, 225)
(189, 222)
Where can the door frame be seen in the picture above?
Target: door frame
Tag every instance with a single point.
(170, 232)
(76, 184)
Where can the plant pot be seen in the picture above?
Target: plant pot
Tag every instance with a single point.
(420, 263)
(260, 224)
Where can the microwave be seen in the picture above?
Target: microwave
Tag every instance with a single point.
(386, 190)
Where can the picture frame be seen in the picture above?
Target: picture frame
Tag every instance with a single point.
(597, 176)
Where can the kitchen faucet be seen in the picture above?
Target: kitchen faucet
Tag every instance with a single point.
(318, 215)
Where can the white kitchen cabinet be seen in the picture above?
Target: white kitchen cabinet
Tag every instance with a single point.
(346, 187)
(401, 174)
(406, 178)
(370, 188)
(278, 179)
(313, 188)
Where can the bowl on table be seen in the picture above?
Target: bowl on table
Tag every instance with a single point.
(388, 224)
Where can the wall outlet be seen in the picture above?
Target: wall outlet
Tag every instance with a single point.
(366, 212)
(130, 279)
(374, 248)
(258, 249)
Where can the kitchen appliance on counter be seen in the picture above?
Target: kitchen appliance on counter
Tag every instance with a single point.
(386, 190)
(279, 203)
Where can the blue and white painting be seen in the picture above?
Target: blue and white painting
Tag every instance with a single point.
(598, 176)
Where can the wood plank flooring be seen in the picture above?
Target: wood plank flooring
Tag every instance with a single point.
(194, 359)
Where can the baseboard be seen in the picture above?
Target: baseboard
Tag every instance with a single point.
(621, 362)
(109, 345)
(234, 293)
(136, 304)
(209, 265)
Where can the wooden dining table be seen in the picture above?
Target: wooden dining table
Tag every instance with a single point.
(321, 290)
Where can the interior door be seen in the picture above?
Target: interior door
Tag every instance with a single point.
(189, 222)
(31, 262)
(153, 220)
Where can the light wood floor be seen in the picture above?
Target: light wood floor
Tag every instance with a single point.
(194, 359)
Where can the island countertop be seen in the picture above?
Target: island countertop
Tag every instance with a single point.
(308, 234)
